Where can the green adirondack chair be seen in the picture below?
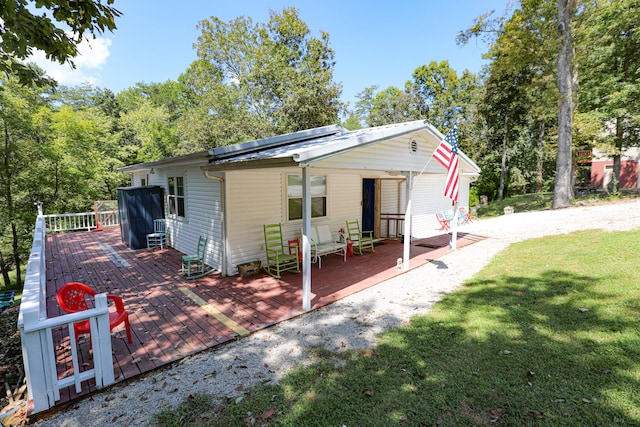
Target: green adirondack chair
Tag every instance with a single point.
(361, 240)
(280, 257)
(193, 265)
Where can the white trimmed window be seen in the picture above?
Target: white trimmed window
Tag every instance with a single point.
(318, 196)
(176, 196)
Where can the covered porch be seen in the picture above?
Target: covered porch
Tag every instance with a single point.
(172, 317)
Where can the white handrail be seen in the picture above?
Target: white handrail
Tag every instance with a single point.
(57, 223)
(38, 351)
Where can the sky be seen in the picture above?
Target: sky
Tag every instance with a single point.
(376, 42)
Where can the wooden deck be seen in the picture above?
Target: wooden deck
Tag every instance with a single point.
(172, 317)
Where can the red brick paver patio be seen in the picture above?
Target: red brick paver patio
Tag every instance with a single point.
(172, 317)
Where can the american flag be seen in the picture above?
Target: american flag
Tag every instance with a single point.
(447, 154)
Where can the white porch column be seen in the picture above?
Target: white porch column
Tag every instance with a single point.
(306, 246)
(407, 224)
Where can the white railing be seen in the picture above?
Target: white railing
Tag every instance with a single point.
(391, 225)
(38, 351)
(57, 223)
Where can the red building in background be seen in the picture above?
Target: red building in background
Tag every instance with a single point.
(602, 169)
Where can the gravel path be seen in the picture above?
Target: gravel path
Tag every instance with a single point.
(350, 323)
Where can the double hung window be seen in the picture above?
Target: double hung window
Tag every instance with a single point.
(176, 199)
(318, 196)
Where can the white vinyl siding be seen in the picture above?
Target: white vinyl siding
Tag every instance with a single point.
(254, 198)
(392, 201)
(428, 199)
(204, 208)
(139, 179)
(388, 155)
(259, 197)
(345, 194)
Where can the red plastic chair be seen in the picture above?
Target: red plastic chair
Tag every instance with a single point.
(72, 298)
(443, 220)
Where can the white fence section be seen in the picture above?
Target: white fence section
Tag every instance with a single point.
(38, 351)
(57, 223)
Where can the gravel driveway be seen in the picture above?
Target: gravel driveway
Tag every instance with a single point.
(350, 323)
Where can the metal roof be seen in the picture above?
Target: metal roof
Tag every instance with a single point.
(298, 148)
(302, 148)
(274, 142)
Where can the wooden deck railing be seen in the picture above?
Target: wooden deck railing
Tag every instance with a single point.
(57, 223)
(391, 225)
(38, 351)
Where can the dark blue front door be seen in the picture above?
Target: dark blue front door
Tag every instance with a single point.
(368, 204)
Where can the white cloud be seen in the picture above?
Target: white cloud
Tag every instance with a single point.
(92, 55)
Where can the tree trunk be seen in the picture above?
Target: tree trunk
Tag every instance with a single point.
(562, 193)
(503, 165)
(540, 160)
(5, 272)
(16, 254)
(616, 158)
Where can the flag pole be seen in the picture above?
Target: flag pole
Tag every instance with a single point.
(447, 154)
(406, 248)
(454, 227)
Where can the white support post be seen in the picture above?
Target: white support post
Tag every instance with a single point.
(101, 342)
(407, 225)
(306, 245)
(36, 364)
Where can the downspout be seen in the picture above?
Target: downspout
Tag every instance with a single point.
(223, 222)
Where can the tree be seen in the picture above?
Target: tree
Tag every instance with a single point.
(441, 95)
(562, 192)
(80, 148)
(275, 73)
(63, 155)
(391, 105)
(609, 60)
(504, 107)
(25, 26)
(523, 75)
(215, 113)
(150, 115)
(19, 160)
(149, 131)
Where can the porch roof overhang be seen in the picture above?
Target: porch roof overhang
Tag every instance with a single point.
(200, 157)
(300, 149)
(308, 147)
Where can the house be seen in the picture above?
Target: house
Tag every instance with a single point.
(602, 169)
(226, 194)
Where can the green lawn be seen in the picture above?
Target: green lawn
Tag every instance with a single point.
(542, 201)
(546, 335)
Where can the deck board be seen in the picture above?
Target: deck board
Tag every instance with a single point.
(167, 324)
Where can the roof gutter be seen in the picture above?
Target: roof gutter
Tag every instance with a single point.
(251, 164)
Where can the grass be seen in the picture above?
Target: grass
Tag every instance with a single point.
(546, 335)
(542, 201)
(522, 203)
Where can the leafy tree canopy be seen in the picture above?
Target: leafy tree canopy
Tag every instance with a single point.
(55, 27)
(275, 73)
